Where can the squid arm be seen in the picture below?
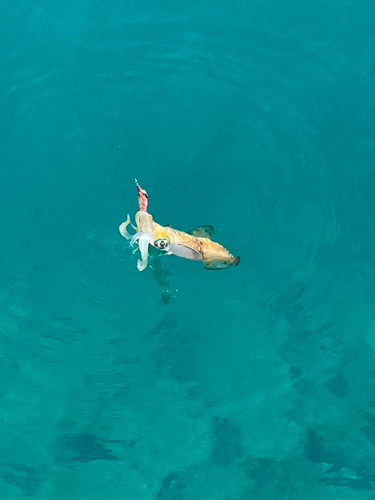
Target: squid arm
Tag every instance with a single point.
(143, 240)
(123, 228)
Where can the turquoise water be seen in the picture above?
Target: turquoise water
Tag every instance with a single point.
(255, 382)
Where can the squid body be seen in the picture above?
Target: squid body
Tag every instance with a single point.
(193, 245)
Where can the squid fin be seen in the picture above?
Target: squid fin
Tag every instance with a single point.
(202, 232)
(221, 264)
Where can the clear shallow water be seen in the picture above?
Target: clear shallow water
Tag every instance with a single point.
(254, 382)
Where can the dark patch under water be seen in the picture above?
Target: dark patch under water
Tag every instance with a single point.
(23, 477)
(174, 350)
(81, 448)
(265, 471)
(228, 446)
(171, 489)
(340, 468)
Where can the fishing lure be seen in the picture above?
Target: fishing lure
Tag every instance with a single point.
(193, 245)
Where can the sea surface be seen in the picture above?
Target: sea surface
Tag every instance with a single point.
(255, 382)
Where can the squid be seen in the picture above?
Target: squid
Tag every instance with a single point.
(193, 245)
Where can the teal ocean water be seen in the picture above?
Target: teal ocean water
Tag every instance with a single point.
(253, 382)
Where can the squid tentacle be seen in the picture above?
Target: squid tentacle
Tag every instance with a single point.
(144, 240)
(123, 228)
(135, 239)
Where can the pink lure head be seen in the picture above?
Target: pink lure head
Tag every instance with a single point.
(142, 197)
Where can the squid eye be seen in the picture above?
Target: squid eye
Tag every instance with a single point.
(162, 244)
